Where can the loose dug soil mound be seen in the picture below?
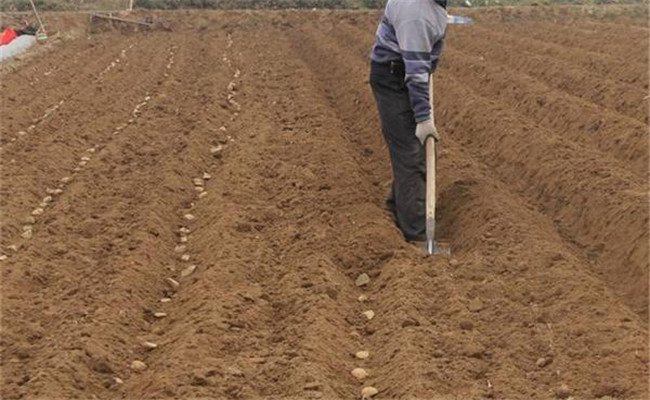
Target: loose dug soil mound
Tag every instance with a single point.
(208, 218)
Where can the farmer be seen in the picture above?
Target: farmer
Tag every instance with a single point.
(405, 54)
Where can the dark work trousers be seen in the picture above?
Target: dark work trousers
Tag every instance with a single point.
(407, 196)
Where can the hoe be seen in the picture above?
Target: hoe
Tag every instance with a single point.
(433, 247)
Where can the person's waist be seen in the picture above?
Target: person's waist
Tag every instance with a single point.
(395, 67)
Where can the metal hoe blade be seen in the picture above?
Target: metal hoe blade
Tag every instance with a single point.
(432, 246)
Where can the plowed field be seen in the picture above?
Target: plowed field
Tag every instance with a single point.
(240, 155)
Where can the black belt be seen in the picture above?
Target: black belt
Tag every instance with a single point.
(397, 67)
(393, 67)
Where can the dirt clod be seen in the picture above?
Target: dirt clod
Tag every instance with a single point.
(234, 371)
(475, 305)
(466, 325)
(312, 386)
(563, 392)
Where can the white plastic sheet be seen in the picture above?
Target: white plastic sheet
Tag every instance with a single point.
(17, 46)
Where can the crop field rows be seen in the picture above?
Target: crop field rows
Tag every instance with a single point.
(190, 214)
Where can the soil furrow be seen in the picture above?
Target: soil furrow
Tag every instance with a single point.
(226, 195)
(565, 35)
(39, 161)
(63, 81)
(439, 352)
(628, 99)
(605, 65)
(510, 144)
(598, 215)
(613, 134)
(85, 316)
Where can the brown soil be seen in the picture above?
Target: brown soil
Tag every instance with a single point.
(543, 198)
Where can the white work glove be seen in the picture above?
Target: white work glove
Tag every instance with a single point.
(425, 129)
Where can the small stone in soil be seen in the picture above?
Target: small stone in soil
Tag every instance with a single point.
(37, 211)
(165, 300)
(180, 249)
(438, 353)
(367, 392)
(363, 279)
(198, 182)
(183, 239)
(66, 179)
(149, 345)
(359, 373)
(184, 230)
(171, 282)
(189, 217)
(543, 361)
(188, 271)
(207, 176)
(185, 257)
(369, 314)
(363, 298)
(138, 365)
(27, 234)
(160, 314)
(118, 380)
(362, 355)
(202, 194)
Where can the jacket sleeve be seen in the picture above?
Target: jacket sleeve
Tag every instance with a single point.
(420, 46)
